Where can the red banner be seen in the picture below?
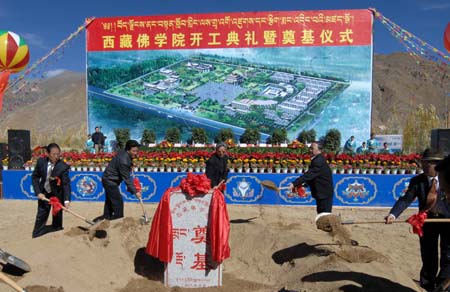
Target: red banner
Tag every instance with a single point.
(4, 78)
(232, 30)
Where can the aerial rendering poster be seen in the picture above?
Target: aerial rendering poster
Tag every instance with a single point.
(297, 70)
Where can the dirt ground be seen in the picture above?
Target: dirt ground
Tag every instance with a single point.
(271, 248)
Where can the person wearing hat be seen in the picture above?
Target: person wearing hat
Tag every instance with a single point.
(119, 170)
(216, 166)
(443, 169)
(425, 187)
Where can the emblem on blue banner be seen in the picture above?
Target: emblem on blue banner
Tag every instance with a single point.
(26, 182)
(87, 186)
(177, 180)
(400, 187)
(148, 188)
(290, 197)
(356, 190)
(243, 189)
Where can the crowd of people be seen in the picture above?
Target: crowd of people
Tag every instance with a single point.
(431, 188)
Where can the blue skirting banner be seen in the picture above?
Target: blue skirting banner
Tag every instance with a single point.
(242, 188)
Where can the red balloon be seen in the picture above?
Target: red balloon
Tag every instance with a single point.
(447, 37)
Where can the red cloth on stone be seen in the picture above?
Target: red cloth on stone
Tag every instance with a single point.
(195, 184)
(219, 227)
(417, 221)
(160, 240)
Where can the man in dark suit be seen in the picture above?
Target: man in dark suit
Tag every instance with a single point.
(216, 166)
(425, 187)
(319, 179)
(50, 178)
(119, 170)
(443, 168)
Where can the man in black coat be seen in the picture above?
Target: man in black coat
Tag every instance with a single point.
(443, 168)
(319, 179)
(425, 187)
(216, 166)
(118, 170)
(99, 140)
(50, 178)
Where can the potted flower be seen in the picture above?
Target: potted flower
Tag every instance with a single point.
(237, 165)
(348, 168)
(333, 167)
(394, 169)
(378, 169)
(277, 166)
(5, 163)
(28, 164)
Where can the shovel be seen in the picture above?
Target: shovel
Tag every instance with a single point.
(300, 191)
(11, 283)
(272, 186)
(431, 220)
(94, 225)
(137, 184)
(144, 220)
(6, 258)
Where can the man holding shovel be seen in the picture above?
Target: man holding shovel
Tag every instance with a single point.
(119, 170)
(426, 188)
(50, 178)
(319, 179)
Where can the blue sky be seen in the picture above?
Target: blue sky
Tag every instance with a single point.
(44, 24)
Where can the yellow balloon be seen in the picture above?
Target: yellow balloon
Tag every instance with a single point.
(14, 53)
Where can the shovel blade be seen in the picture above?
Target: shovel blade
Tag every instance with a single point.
(7, 258)
(101, 224)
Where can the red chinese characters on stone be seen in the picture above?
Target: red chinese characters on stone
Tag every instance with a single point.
(200, 262)
(200, 235)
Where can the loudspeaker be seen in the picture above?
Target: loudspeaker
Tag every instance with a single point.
(19, 148)
(3, 150)
(440, 139)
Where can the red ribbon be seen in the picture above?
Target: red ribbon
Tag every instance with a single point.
(137, 184)
(301, 192)
(417, 221)
(56, 205)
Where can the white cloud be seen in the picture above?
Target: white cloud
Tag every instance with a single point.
(435, 6)
(33, 40)
(53, 73)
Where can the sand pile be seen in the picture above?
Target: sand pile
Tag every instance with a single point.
(282, 248)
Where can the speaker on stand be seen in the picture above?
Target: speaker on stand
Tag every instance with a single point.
(19, 148)
(440, 139)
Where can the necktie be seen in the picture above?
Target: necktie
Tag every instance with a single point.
(47, 179)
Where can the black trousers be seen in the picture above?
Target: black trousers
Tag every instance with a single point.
(43, 211)
(429, 250)
(113, 208)
(324, 205)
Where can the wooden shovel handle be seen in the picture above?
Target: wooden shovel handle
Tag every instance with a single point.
(431, 220)
(11, 283)
(73, 213)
